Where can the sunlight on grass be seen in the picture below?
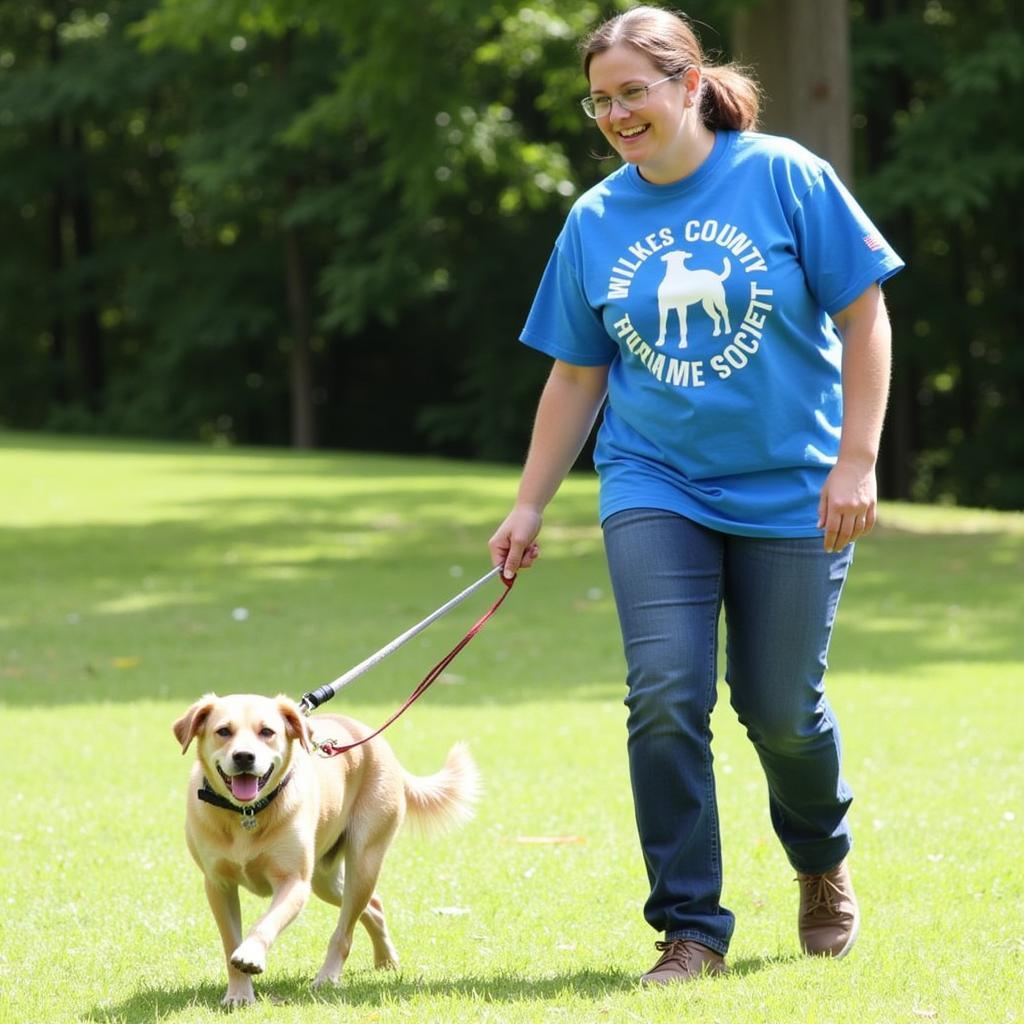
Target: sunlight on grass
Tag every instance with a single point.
(139, 576)
(938, 519)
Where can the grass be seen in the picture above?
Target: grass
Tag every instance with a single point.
(125, 567)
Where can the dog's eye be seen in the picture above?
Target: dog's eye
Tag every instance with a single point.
(224, 731)
(266, 732)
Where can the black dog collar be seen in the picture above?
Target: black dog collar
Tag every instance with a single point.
(248, 811)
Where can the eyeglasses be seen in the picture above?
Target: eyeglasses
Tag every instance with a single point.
(632, 98)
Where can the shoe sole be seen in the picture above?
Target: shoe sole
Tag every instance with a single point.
(679, 979)
(854, 931)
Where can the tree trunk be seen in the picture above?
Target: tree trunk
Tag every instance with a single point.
(800, 51)
(71, 232)
(299, 309)
(58, 206)
(90, 335)
(58, 334)
(303, 420)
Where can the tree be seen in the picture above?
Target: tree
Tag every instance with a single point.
(66, 117)
(408, 207)
(800, 50)
(940, 103)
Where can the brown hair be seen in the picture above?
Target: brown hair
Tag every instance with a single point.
(730, 98)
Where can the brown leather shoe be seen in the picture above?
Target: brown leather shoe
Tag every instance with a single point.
(683, 960)
(829, 918)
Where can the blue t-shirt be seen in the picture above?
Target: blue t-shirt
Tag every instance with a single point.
(710, 300)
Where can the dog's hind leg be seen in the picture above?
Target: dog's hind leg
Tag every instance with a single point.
(331, 887)
(363, 861)
(385, 956)
(715, 318)
(724, 310)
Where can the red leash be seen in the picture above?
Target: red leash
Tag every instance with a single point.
(330, 749)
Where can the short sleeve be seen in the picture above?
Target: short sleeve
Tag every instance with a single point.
(561, 322)
(840, 249)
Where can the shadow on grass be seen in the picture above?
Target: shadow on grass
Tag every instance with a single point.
(918, 599)
(120, 612)
(154, 1004)
(124, 612)
(372, 989)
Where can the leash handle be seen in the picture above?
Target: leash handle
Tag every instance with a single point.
(331, 749)
(324, 693)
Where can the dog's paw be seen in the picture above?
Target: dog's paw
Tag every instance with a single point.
(242, 995)
(330, 972)
(250, 957)
(386, 963)
(326, 977)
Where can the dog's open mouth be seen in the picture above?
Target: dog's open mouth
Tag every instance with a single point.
(245, 787)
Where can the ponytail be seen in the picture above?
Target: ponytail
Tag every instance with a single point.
(730, 98)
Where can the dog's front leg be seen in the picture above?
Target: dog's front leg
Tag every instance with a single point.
(290, 897)
(663, 312)
(227, 912)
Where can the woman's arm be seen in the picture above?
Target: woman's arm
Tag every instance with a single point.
(568, 406)
(849, 498)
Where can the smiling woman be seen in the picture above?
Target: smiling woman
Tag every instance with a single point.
(716, 299)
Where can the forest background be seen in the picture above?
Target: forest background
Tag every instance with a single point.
(321, 223)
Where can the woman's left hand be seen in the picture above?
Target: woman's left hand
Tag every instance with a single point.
(849, 498)
(848, 503)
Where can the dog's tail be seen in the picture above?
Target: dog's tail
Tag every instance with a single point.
(726, 268)
(445, 799)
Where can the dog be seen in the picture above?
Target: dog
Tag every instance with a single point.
(681, 287)
(267, 812)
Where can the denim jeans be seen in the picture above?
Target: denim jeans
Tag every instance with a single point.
(671, 578)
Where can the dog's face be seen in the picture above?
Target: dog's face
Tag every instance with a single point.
(244, 741)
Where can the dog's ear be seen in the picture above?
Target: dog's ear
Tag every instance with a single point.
(186, 727)
(296, 726)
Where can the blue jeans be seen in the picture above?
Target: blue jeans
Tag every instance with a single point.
(671, 577)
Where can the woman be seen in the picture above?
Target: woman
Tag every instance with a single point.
(721, 290)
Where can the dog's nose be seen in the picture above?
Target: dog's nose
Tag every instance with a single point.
(243, 759)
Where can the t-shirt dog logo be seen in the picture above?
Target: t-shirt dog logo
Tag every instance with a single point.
(682, 287)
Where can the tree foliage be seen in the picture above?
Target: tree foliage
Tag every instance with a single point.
(940, 105)
(299, 220)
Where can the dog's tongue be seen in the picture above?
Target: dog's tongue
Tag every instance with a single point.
(244, 787)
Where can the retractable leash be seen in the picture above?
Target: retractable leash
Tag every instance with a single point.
(321, 695)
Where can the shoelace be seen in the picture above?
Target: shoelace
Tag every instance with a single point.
(678, 951)
(822, 894)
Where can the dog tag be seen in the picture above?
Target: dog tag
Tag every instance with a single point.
(249, 821)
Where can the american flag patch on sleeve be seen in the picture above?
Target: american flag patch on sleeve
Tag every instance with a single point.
(874, 241)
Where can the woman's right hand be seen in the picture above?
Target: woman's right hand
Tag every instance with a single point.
(514, 545)
(568, 405)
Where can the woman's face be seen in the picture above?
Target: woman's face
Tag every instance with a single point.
(653, 137)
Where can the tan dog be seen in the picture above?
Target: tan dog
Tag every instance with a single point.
(267, 812)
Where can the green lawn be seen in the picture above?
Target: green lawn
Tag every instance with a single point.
(136, 577)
